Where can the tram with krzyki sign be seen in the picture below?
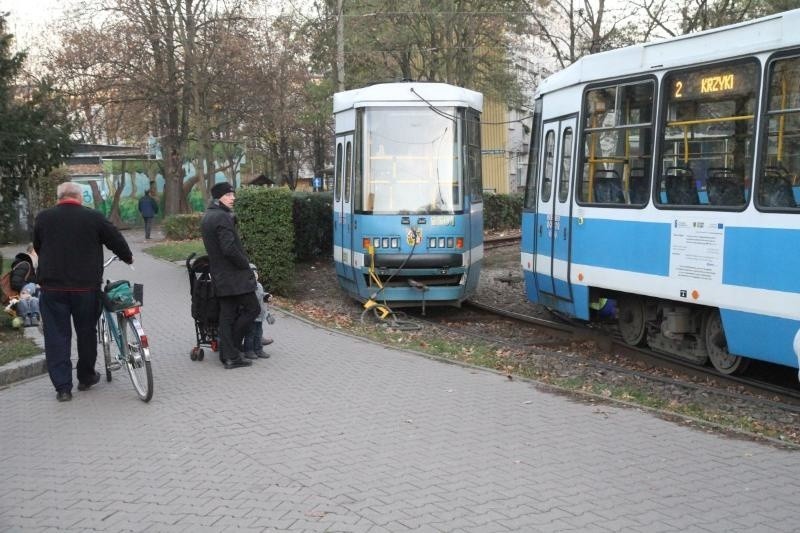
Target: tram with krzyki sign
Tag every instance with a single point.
(408, 210)
(664, 193)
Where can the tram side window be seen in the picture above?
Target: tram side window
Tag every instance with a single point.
(338, 172)
(533, 156)
(566, 165)
(707, 136)
(617, 144)
(474, 171)
(348, 170)
(778, 180)
(548, 165)
(358, 162)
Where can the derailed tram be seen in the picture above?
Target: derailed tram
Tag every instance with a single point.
(408, 210)
(664, 193)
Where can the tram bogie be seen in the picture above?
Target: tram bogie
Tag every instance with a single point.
(669, 186)
(408, 211)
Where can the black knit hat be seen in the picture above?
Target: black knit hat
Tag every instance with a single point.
(221, 189)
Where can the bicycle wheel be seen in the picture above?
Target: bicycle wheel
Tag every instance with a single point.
(137, 358)
(104, 337)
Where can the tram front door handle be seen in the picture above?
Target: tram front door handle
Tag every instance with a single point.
(540, 230)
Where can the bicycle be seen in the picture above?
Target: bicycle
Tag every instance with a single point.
(132, 349)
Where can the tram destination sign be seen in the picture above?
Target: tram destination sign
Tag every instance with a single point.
(711, 83)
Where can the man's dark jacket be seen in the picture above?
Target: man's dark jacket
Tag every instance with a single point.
(69, 239)
(229, 264)
(148, 206)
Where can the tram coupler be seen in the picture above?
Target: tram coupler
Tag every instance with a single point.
(420, 287)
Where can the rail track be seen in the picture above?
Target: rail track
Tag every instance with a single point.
(501, 240)
(787, 397)
(789, 394)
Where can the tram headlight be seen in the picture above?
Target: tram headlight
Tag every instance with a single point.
(432, 242)
(442, 242)
(459, 242)
(365, 243)
(385, 242)
(450, 242)
(395, 242)
(376, 242)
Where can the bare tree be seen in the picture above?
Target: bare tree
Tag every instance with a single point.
(575, 28)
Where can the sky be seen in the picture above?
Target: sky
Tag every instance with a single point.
(28, 18)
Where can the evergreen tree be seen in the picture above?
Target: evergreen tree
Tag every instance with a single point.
(34, 134)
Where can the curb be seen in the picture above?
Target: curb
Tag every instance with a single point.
(26, 368)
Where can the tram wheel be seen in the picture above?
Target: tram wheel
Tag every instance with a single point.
(632, 319)
(717, 346)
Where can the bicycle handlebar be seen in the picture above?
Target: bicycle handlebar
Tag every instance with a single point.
(112, 259)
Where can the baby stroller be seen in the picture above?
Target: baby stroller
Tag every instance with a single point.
(205, 307)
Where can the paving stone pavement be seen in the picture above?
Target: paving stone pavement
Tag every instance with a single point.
(337, 434)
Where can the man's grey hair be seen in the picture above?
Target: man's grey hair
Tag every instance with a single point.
(69, 190)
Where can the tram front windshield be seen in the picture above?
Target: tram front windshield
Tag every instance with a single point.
(411, 161)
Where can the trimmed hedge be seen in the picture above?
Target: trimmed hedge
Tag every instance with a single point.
(267, 230)
(502, 211)
(312, 213)
(182, 227)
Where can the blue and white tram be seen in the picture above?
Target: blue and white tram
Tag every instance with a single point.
(408, 211)
(665, 190)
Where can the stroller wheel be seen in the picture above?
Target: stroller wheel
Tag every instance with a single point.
(193, 354)
(200, 354)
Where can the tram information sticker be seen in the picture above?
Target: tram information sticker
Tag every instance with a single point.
(696, 250)
(443, 220)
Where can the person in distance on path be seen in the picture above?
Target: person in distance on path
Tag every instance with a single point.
(148, 207)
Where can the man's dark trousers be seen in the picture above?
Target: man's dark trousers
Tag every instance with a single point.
(236, 315)
(148, 225)
(84, 309)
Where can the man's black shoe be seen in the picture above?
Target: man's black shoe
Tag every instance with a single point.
(236, 363)
(262, 355)
(63, 396)
(88, 384)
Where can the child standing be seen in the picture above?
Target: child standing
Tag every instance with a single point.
(252, 345)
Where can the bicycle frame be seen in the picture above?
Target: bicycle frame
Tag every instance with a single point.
(115, 318)
(133, 349)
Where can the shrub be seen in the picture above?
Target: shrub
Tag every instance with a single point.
(267, 229)
(502, 211)
(312, 214)
(182, 227)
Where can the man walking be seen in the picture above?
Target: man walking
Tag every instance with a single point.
(234, 281)
(69, 240)
(148, 207)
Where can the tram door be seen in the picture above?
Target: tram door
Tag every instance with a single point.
(343, 207)
(553, 231)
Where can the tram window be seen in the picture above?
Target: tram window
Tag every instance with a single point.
(617, 145)
(778, 181)
(548, 166)
(474, 156)
(338, 181)
(566, 165)
(707, 136)
(533, 157)
(348, 170)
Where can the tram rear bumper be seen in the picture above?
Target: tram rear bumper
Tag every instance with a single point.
(419, 261)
